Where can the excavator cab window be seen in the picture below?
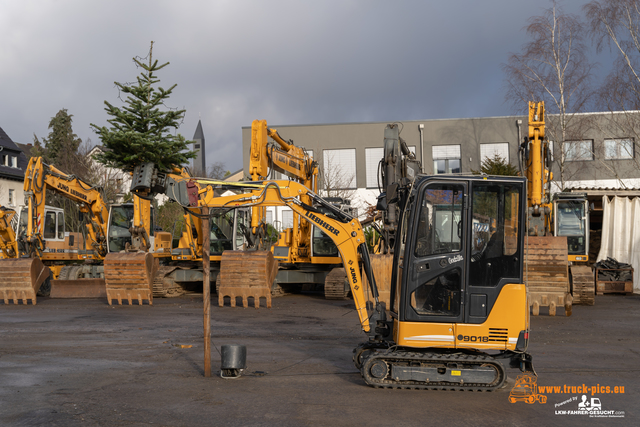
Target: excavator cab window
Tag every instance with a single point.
(50, 225)
(323, 245)
(434, 282)
(221, 231)
(570, 222)
(495, 232)
(120, 220)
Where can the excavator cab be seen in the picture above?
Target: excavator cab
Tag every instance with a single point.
(571, 219)
(458, 299)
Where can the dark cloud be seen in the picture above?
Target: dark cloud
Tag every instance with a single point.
(289, 62)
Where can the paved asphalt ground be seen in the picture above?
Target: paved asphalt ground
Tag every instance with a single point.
(85, 363)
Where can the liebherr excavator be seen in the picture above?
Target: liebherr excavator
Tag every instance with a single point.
(456, 309)
(42, 248)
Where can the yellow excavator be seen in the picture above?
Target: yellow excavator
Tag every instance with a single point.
(558, 228)
(305, 254)
(458, 305)
(39, 247)
(143, 263)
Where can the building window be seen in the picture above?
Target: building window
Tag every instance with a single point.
(578, 150)
(372, 159)
(339, 169)
(621, 148)
(446, 159)
(491, 150)
(287, 219)
(11, 197)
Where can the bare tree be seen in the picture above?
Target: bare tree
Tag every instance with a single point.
(215, 171)
(616, 24)
(113, 183)
(553, 67)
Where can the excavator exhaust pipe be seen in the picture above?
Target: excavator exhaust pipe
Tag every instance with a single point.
(129, 276)
(21, 278)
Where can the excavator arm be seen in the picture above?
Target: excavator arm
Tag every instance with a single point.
(285, 158)
(346, 232)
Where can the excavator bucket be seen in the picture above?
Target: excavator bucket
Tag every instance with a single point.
(129, 276)
(382, 267)
(21, 278)
(546, 269)
(246, 274)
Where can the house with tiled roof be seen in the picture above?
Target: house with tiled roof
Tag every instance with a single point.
(13, 164)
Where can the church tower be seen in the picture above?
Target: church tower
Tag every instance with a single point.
(199, 162)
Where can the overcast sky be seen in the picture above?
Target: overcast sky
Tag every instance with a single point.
(289, 62)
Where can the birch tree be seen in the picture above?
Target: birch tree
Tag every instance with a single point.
(553, 67)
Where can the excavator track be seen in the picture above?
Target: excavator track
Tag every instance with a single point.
(334, 284)
(161, 289)
(432, 371)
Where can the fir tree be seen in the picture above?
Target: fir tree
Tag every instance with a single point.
(60, 147)
(497, 165)
(140, 132)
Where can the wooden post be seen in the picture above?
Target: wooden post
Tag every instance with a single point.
(206, 289)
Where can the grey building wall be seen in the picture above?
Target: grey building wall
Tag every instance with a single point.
(470, 134)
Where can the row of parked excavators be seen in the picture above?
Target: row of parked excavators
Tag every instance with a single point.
(457, 301)
(120, 254)
(39, 255)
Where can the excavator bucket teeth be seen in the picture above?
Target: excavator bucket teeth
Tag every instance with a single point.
(21, 278)
(129, 276)
(246, 274)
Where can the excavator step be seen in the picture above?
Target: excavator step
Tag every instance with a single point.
(246, 274)
(21, 278)
(129, 276)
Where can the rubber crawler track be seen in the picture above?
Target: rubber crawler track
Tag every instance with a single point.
(400, 357)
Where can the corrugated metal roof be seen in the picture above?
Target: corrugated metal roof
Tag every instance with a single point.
(606, 191)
